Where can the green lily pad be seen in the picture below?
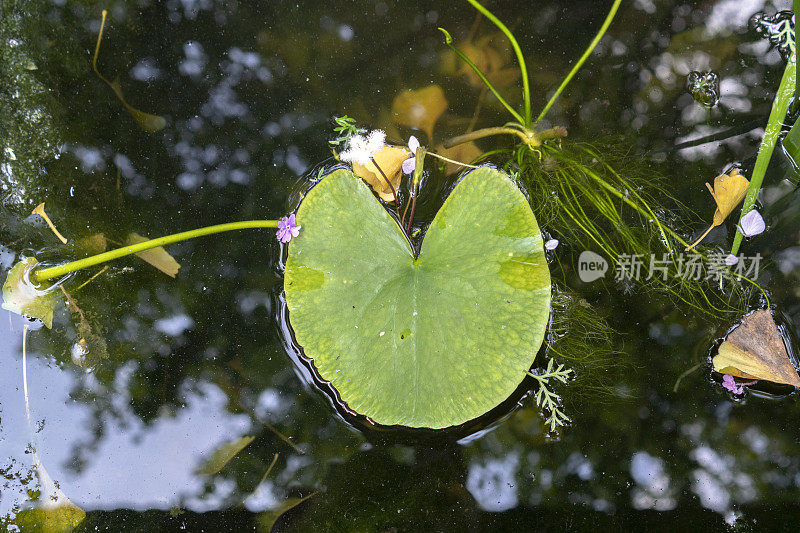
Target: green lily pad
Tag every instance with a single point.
(431, 341)
(22, 297)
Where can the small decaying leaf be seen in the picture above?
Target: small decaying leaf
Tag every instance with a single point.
(492, 55)
(465, 152)
(390, 159)
(728, 191)
(93, 244)
(146, 121)
(158, 257)
(223, 454)
(22, 297)
(40, 211)
(755, 350)
(420, 108)
(267, 519)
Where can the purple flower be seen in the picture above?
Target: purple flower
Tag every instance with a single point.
(552, 244)
(729, 383)
(287, 228)
(752, 224)
(731, 260)
(410, 163)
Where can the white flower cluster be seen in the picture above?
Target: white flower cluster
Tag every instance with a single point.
(360, 148)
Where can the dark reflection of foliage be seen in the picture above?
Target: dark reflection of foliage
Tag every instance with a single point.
(233, 343)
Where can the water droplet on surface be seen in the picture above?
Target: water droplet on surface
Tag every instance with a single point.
(704, 87)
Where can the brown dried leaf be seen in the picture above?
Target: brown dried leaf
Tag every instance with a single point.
(390, 159)
(755, 350)
(419, 109)
(158, 257)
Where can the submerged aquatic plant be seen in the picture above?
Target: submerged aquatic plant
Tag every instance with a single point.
(549, 400)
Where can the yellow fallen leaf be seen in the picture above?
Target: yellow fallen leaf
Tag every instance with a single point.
(390, 160)
(464, 152)
(158, 257)
(755, 350)
(728, 191)
(146, 121)
(419, 109)
(39, 210)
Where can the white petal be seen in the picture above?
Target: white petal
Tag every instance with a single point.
(413, 144)
(551, 244)
(375, 141)
(731, 260)
(752, 224)
(409, 165)
(357, 142)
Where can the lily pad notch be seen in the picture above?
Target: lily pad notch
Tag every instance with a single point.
(431, 341)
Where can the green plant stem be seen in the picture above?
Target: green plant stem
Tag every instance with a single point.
(583, 58)
(60, 270)
(779, 107)
(796, 18)
(528, 138)
(526, 90)
(448, 40)
(418, 167)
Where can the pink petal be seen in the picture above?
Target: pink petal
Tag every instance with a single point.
(409, 164)
(752, 224)
(413, 144)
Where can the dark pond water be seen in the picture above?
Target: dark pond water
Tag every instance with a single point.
(177, 367)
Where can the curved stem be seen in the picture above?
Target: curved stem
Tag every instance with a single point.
(383, 175)
(448, 40)
(443, 158)
(699, 239)
(583, 58)
(526, 90)
(57, 271)
(529, 138)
